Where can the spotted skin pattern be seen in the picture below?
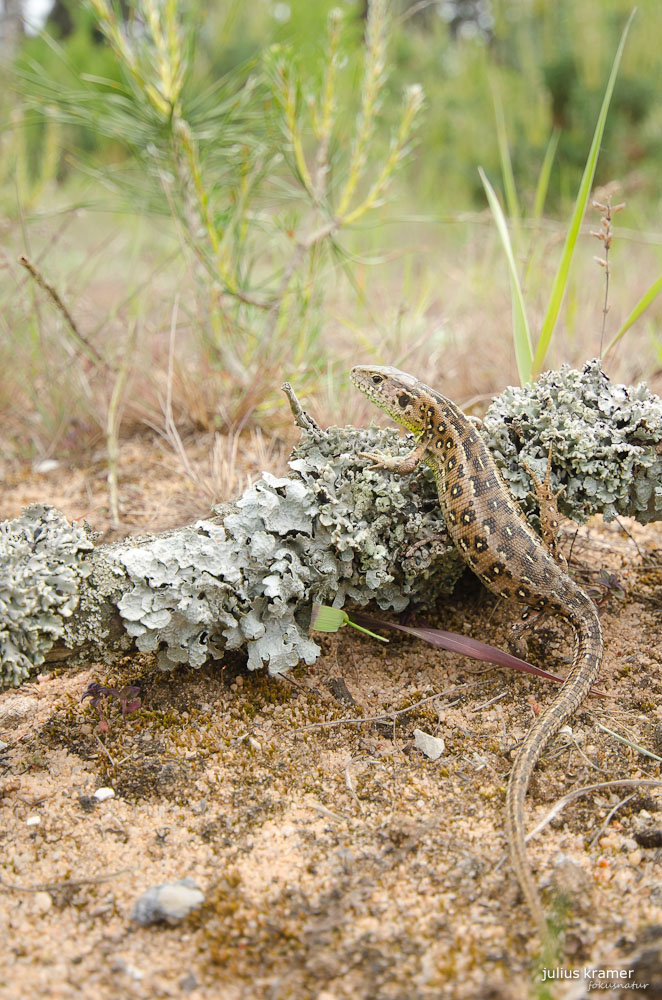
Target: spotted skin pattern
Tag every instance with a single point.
(503, 551)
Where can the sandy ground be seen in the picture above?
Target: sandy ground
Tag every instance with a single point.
(336, 860)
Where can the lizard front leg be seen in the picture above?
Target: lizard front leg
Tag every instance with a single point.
(398, 463)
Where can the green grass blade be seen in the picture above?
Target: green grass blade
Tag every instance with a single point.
(629, 743)
(521, 334)
(561, 279)
(507, 175)
(641, 307)
(542, 186)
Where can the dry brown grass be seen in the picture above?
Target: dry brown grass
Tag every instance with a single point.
(438, 306)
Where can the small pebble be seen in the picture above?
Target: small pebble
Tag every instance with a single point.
(46, 465)
(188, 983)
(18, 709)
(170, 902)
(102, 794)
(33, 821)
(120, 965)
(623, 878)
(42, 902)
(431, 746)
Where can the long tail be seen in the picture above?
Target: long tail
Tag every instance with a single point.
(585, 668)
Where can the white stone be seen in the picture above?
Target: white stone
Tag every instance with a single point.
(170, 902)
(431, 746)
(42, 902)
(104, 793)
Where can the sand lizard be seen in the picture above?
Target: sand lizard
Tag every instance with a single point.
(501, 548)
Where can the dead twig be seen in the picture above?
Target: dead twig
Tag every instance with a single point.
(55, 297)
(561, 803)
(73, 883)
(386, 717)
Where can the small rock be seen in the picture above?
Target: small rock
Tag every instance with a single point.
(568, 877)
(102, 794)
(622, 878)
(33, 821)
(431, 746)
(42, 902)
(15, 710)
(656, 895)
(188, 983)
(120, 965)
(3, 745)
(648, 833)
(172, 902)
(45, 466)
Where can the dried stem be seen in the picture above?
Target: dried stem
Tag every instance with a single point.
(57, 301)
(605, 235)
(113, 420)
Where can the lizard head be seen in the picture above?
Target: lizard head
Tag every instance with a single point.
(393, 391)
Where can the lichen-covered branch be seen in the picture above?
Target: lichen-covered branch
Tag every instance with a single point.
(332, 531)
(606, 442)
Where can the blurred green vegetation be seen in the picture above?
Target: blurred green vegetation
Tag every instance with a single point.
(279, 153)
(548, 61)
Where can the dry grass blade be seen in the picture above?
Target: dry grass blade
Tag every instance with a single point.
(474, 648)
(561, 803)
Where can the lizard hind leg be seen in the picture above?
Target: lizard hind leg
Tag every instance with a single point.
(530, 618)
(548, 509)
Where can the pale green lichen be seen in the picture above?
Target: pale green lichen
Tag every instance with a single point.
(250, 579)
(606, 442)
(43, 560)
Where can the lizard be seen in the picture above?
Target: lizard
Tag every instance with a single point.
(496, 541)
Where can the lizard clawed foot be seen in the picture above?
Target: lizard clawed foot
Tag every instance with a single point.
(402, 464)
(379, 461)
(548, 509)
(374, 457)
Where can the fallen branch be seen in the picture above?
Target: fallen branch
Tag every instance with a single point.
(332, 532)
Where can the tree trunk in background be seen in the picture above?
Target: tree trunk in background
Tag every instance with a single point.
(12, 29)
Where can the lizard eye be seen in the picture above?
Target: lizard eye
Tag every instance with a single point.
(377, 379)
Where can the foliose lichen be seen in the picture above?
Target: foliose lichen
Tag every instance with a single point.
(606, 442)
(43, 559)
(327, 533)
